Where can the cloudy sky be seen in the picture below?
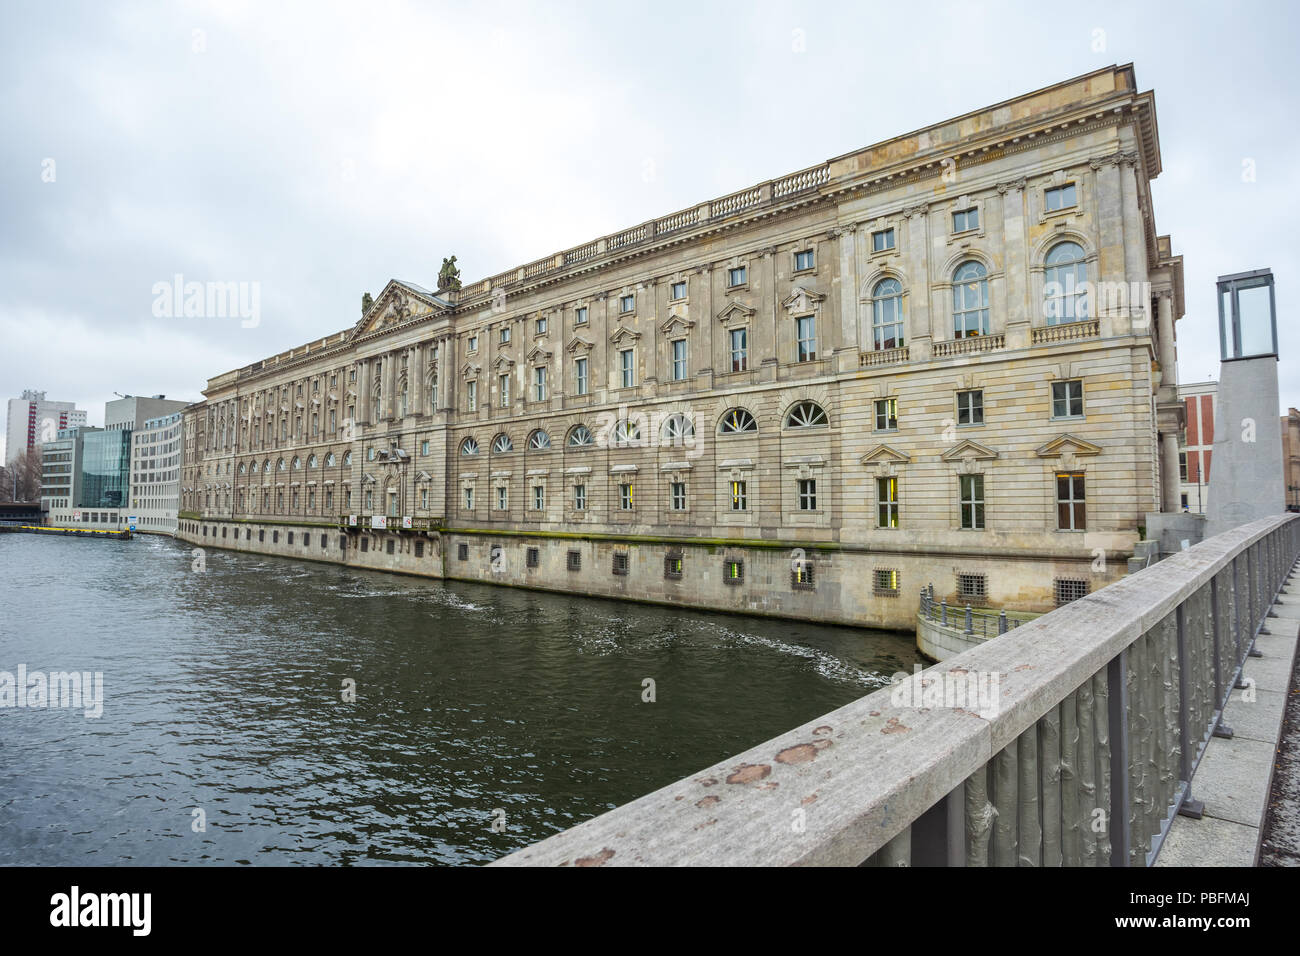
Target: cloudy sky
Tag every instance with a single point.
(319, 149)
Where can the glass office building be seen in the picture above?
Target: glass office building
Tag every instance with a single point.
(105, 468)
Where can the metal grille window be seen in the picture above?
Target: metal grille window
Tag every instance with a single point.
(532, 557)
(970, 407)
(739, 496)
(1070, 589)
(971, 488)
(419, 549)
(802, 576)
(886, 581)
(887, 502)
(574, 561)
(1071, 510)
(620, 562)
(1067, 399)
(733, 571)
(807, 494)
(679, 496)
(673, 566)
(972, 587)
(462, 551)
(886, 414)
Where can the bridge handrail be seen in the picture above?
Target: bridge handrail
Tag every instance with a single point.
(1093, 701)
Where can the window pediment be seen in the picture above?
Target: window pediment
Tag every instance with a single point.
(1067, 445)
(676, 323)
(734, 311)
(884, 455)
(503, 361)
(538, 354)
(801, 300)
(969, 449)
(621, 333)
(577, 344)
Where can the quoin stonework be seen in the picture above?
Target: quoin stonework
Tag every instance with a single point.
(947, 358)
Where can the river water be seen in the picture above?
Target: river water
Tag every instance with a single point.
(484, 718)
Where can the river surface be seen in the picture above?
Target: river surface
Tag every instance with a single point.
(484, 718)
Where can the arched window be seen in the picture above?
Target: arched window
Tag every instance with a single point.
(581, 435)
(266, 466)
(311, 462)
(297, 463)
(887, 314)
(539, 440)
(279, 465)
(329, 459)
(433, 392)
(401, 399)
(736, 421)
(806, 415)
(1065, 290)
(970, 300)
(242, 466)
(677, 430)
(626, 432)
(502, 443)
(469, 447)
(347, 458)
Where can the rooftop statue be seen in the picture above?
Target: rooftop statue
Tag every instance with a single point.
(449, 276)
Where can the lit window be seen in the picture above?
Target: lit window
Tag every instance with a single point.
(887, 502)
(625, 496)
(739, 496)
(886, 414)
(736, 421)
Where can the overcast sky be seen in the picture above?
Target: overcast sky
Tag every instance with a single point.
(320, 149)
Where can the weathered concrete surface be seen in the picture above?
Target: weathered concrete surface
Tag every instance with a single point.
(1235, 776)
(1281, 842)
(1246, 482)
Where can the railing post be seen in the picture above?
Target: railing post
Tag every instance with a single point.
(1002, 621)
(969, 628)
(943, 613)
(1220, 692)
(1117, 723)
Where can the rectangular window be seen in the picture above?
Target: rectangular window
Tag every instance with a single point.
(627, 360)
(673, 566)
(739, 496)
(365, 543)
(471, 395)
(970, 407)
(419, 549)
(1067, 399)
(539, 497)
(972, 587)
(580, 317)
(966, 219)
(620, 562)
(886, 414)
(679, 290)
(505, 335)
(736, 276)
(806, 335)
(1182, 466)
(469, 499)
(679, 496)
(539, 383)
(573, 561)
(390, 546)
(1071, 513)
(472, 345)
(533, 558)
(1070, 589)
(503, 387)
(424, 498)
(739, 350)
(733, 571)
(803, 260)
(882, 240)
(503, 497)
(626, 303)
(971, 488)
(625, 496)
(886, 581)
(679, 359)
(539, 327)
(1061, 197)
(462, 551)
(424, 447)
(579, 497)
(887, 502)
(581, 369)
(807, 494)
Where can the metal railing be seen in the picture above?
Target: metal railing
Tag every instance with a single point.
(1071, 740)
(986, 622)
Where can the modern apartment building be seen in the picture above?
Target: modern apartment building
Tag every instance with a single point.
(944, 359)
(155, 473)
(1200, 402)
(32, 420)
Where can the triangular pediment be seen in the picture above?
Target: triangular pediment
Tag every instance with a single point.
(801, 299)
(469, 370)
(734, 311)
(1067, 444)
(503, 361)
(577, 344)
(538, 354)
(622, 332)
(884, 454)
(674, 323)
(969, 449)
(400, 302)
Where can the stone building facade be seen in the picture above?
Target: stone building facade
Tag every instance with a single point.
(947, 358)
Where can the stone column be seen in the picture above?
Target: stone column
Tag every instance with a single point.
(1168, 472)
(1020, 308)
(1167, 352)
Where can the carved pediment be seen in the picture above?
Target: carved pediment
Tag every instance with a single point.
(621, 333)
(675, 323)
(802, 300)
(469, 370)
(1067, 444)
(538, 354)
(577, 344)
(503, 361)
(883, 454)
(399, 302)
(734, 311)
(968, 449)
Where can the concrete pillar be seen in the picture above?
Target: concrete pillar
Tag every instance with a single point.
(1168, 355)
(1168, 472)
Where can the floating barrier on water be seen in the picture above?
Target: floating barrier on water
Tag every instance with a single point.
(69, 532)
